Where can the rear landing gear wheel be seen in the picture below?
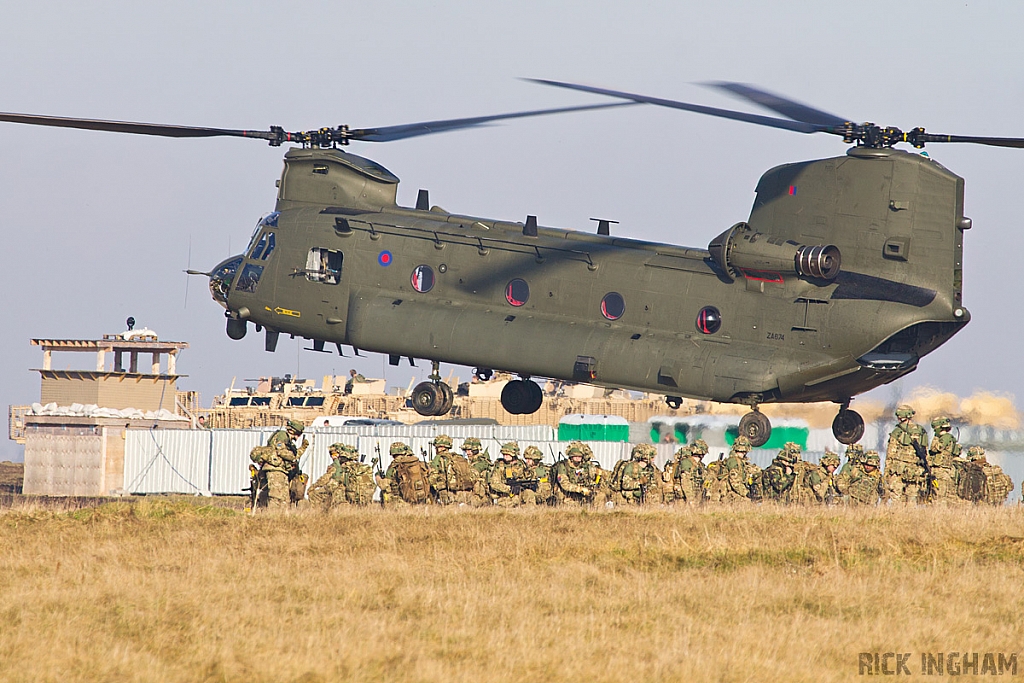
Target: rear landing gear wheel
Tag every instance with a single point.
(756, 427)
(521, 397)
(432, 399)
(848, 427)
(448, 396)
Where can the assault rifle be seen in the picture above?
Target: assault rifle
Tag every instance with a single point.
(376, 462)
(519, 485)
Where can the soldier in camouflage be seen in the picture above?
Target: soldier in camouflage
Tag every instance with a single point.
(854, 459)
(942, 452)
(401, 457)
(322, 491)
(481, 463)
(778, 477)
(355, 479)
(575, 480)
(688, 483)
(504, 484)
(448, 474)
(536, 469)
(984, 482)
(277, 460)
(742, 478)
(865, 481)
(635, 481)
(668, 475)
(827, 490)
(905, 479)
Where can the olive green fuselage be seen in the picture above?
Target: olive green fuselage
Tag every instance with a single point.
(345, 269)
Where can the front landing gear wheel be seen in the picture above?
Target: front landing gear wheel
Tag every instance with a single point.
(756, 427)
(848, 427)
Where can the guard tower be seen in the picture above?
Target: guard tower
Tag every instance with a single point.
(112, 384)
(74, 438)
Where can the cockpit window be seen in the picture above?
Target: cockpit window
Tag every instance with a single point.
(249, 278)
(264, 248)
(324, 265)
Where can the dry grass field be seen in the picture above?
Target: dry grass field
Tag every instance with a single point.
(172, 590)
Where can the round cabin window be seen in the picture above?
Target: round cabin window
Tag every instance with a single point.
(423, 278)
(517, 292)
(613, 306)
(709, 320)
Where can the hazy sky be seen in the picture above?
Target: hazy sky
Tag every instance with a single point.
(97, 226)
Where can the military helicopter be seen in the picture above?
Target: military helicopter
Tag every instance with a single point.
(846, 273)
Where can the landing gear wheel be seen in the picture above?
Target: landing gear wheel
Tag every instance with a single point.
(756, 427)
(448, 396)
(848, 427)
(237, 328)
(536, 397)
(517, 398)
(427, 399)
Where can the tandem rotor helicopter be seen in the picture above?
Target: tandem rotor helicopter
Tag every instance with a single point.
(846, 273)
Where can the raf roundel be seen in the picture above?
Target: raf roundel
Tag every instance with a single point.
(709, 320)
(384, 258)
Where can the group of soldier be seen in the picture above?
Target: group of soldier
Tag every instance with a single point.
(915, 473)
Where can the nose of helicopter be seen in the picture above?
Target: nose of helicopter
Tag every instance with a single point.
(221, 277)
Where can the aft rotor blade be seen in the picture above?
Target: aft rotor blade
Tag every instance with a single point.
(779, 104)
(158, 129)
(784, 124)
(411, 130)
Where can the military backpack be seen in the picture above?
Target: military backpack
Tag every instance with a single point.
(972, 483)
(463, 473)
(359, 484)
(411, 477)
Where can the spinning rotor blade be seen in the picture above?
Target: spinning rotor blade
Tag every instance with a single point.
(785, 124)
(802, 118)
(324, 137)
(779, 104)
(410, 130)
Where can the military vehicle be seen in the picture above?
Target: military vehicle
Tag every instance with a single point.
(846, 273)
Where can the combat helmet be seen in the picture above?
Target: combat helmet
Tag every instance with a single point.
(787, 456)
(472, 444)
(741, 445)
(577, 448)
(443, 440)
(975, 453)
(295, 426)
(699, 447)
(348, 451)
(399, 448)
(872, 458)
(510, 448)
(905, 412)
(941, 422)
(642, 451)
(829, 458)
(533, 453)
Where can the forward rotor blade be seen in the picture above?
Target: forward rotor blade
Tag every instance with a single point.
(992, 142)
(779, 104)
(411, 130)
(158, 129)
(784, 124)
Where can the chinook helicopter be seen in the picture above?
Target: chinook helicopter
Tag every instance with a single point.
(846, 273)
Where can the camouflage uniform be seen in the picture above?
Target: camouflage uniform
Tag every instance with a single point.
(576, 480)
(995, 486)
(690, 472)
(941, 453)
(533, 457)
(827, 490)
(854, 458)
(668, 475)
(778, 478)
(481, 464)
(504, 482)
(864, 483)
(357, 484)
(810, 483)
(635, 481)
(444, 480)
(904, 476)
(714, 481)
(278, 460)
(322, 491)
(742, 478)
(391, 494)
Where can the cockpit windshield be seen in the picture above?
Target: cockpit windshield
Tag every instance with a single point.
(269, 221)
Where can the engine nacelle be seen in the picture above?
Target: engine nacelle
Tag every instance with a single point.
(741, 251)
